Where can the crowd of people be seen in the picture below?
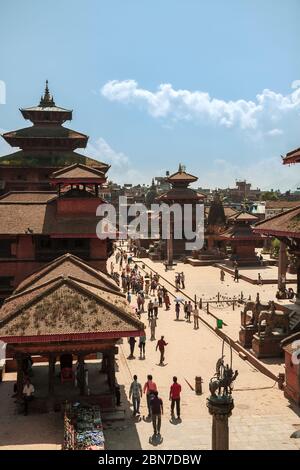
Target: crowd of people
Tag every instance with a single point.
(151, 298)
(154, 402)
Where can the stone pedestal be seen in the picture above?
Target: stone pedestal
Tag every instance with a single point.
(220, 407)
(246, 334)
(268, 345)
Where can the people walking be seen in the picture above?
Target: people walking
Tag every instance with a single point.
(155, 308)
(185, 308)
(142, 346)
(28, 391)
(167, 301)
(160, 296)
(222, 275)
(132, 342)
(136, 393)
(236, 274)
(157, 411)
(152, 324)
(175, 391)
(196, 318)
(177, 310)
(182, 279)
(149, 389)
(189, 311)
(150, 309)
(161, 344)
(259, 279)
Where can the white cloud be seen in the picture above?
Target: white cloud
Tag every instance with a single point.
(122, 170)
(266, 173)
(274, 132)
(295, 84)
(268, 107)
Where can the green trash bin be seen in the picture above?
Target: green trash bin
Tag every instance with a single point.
(219, 323)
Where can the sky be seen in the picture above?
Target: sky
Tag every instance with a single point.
(211, 84)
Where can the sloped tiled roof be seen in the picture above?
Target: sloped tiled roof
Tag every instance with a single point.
(243, 217)
(281, 204)
(180, 194)
(78, 171)
(68, 307)
(49, 159)
(291, 157)
(72, 266)
(286, 224)
(44, 132)
(28, 197)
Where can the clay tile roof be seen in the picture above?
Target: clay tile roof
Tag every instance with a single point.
(28, 197)
(44, 132)
(181, 194)
(56, 109)
(68, 307)
(241, 232)
(243, 217)
(286, 224)
(229, 212)
(72, 266)
(78, 171)
(281, 204)
(182, 176)
(292, 157)
(49, 159)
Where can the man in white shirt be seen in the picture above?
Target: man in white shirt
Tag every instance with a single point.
(28, 391)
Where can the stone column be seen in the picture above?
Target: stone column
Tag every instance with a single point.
(111, 375)
(81, 376)
(298, 282)
(51, 371)
(170, 241)
(220, 408)
(282, 266)
(20, 375)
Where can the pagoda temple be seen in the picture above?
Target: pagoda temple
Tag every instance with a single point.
(50, 197)
(45, 147)
(242, 239)
(181, 194)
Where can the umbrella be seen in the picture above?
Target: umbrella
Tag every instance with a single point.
(178, 299)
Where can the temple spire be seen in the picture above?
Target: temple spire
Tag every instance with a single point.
(47, 99)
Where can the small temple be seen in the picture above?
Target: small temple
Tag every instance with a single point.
(65, 311)
(242, 240)
(180, 194)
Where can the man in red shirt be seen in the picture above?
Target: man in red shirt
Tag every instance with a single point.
(161, 346)
(175, 391)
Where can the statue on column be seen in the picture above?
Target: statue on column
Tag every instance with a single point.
(222, 379)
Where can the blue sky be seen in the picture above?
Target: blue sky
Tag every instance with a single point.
(110, 61)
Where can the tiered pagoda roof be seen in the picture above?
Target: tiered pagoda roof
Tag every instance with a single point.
(180, 192)
(47, 143)
(241, 227)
